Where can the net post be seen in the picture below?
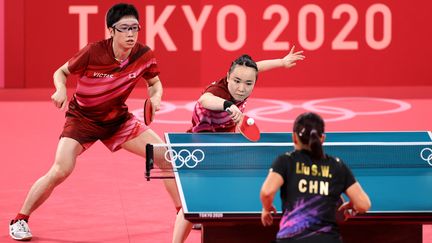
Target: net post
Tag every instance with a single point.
(149, 160)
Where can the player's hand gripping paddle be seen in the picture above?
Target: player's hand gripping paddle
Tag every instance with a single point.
(345, 210)
(248, 128)
(149, 112)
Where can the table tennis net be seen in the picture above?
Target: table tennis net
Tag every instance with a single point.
(262, 155)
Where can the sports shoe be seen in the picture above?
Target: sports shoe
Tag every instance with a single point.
(19, 230)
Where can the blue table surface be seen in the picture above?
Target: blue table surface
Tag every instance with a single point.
(419, 136)
(236, 190)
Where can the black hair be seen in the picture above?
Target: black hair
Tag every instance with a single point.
(118, 11)
(309, 127)
(243, 60)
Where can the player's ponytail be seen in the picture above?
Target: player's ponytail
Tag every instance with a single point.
(309, 128)
(316, 145)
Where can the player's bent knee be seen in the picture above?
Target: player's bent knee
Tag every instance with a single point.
(58, 174)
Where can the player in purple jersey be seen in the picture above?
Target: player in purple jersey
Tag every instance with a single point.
(311, 183)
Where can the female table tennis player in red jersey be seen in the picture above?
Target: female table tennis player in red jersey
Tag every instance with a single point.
(311, 183)
(231, 92)
(108, 71)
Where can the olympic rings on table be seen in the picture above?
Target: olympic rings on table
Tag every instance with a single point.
(427, 158)
(184, 156)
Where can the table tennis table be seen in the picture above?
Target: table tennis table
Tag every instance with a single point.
(220, 187)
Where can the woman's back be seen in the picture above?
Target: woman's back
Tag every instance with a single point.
(311, 184)
(310, 193)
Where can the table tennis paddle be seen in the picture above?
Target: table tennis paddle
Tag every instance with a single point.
(247, 127)
(149, 112)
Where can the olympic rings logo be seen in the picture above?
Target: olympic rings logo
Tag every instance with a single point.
(279, 111)
(427, 158)
(184, 156)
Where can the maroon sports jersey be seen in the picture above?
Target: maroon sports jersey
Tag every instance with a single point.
(104, 83)
(205, 120)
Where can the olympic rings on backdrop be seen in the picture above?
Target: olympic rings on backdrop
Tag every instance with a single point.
(276, 111)
(319, 106)
(427, 158)
(184, 156)
(281, 107)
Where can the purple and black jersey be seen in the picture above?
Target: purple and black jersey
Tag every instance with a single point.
(310, 194)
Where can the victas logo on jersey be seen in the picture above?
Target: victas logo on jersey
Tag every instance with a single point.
(103, 75)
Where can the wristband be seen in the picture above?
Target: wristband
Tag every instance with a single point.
(227, 104)
(268, 210)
